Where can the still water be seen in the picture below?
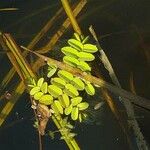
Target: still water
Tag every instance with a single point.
(124, 34)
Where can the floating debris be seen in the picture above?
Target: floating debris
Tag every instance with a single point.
(98, 105)
(8, 9)
(6, 96)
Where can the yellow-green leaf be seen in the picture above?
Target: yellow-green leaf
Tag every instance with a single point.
(83, 56)
(68, 110)
(75, 44)
(67, 76)
(75, 101)
(90, 48)
(83, 106)
(70, 61)
(46, 99)
(54, 90)
(51, 72)
(74, 113)
(69, 51)
(31, 85)
(38, 95)
(32, 82)
(40, 82)
(58, 82)
(64, 100)
(90, 89)
(52, 68)
(34, 90)
(44, 87)
(84, 66)
(57, 107)
(71, 90)
(78, 84)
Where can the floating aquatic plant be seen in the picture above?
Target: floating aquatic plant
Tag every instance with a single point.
(63, 96)
(62, 93)
(67, 129)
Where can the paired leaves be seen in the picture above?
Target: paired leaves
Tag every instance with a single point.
(67, 76)
(51, 70)
(62, 94)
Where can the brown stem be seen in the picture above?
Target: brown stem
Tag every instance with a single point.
(143, 102)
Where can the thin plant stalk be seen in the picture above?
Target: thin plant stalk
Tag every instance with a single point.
(61, 30)
(70, 15)
(132, 123)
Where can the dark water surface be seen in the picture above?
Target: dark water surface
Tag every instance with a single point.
(123, 29)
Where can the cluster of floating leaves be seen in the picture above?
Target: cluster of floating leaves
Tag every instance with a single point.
(78, 52)
(62, 94)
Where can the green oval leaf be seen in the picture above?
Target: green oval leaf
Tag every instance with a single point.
(74, 113)
(52, 68)
(40, 82)
(71, 90)
(44, 87)
(34, 90)
(83, 106)
(84, 66)
(75, 44)
(54, 90)
(90, 89)
(69, 51)
(83, 56)
(58, 82)
(64, 100)
(78, 84)
(51, 72)
(75, 101)
(90, 48)
(70, 61)
(46, 99)
(67, 76)
(68, 110)
(56, 106)
(38, 95)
